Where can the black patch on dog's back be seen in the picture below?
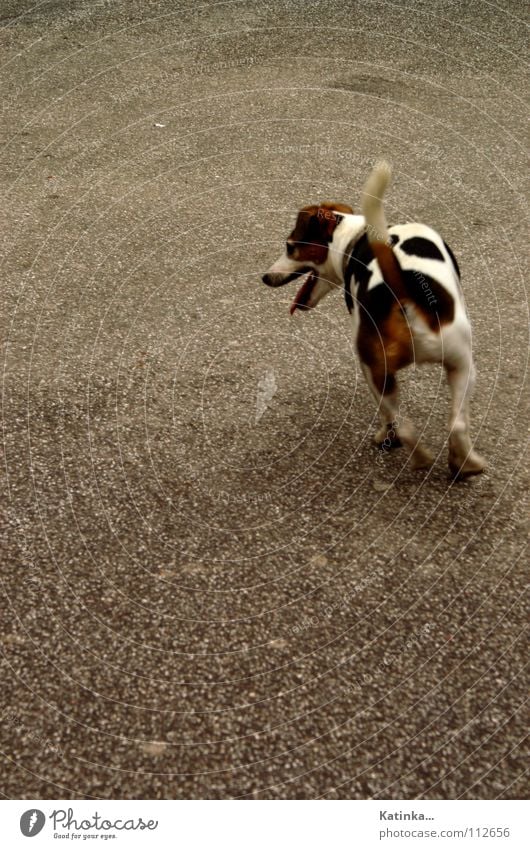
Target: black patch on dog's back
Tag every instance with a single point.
(430, 296)
(348, 297)
(360, 257)
(377, 303)
(418, 246)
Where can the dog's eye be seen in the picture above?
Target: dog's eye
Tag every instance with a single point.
(290, 246)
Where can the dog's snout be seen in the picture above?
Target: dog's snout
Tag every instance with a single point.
(273, 278)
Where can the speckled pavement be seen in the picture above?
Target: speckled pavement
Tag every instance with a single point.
(212, 584)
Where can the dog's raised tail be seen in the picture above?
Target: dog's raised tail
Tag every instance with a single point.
(377, 227)
(372, 202)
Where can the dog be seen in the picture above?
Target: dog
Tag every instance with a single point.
(402, 289)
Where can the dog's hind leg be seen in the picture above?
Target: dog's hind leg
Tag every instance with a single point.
(463, 459)
(385, 391)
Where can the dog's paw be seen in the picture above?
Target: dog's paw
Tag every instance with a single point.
(421, 458)
(473, 464)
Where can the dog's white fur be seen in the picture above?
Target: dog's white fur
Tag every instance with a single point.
(448, 344)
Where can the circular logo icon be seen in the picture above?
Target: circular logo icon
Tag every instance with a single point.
(31, 822)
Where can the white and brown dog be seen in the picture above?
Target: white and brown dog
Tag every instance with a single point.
(402, 289)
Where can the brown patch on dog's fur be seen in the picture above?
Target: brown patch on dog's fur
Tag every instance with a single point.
(390, 268)
(443, 309)
(314, 230)
(386, 349)
(400, 282)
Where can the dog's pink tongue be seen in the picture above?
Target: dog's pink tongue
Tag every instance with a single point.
(303, 295)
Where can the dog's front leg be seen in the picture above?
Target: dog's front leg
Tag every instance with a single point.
(384, 388)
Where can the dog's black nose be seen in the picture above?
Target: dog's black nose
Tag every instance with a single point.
(266, 279)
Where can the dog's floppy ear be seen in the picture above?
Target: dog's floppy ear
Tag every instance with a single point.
(316, 224)
(342, 208)
(314, 229)
(329, 216)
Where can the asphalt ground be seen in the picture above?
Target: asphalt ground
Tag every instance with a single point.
(212, 584)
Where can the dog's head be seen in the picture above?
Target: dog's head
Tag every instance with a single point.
(307, 254)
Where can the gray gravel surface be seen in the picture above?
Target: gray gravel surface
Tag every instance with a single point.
(204, 595)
